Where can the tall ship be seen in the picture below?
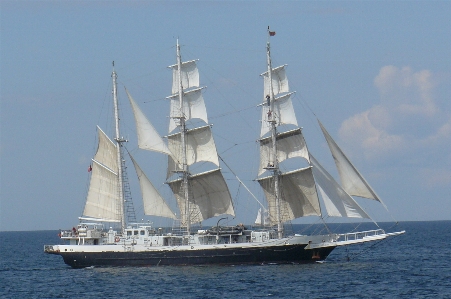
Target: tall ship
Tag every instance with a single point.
(200, 196)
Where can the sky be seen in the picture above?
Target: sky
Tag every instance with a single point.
(376, 73)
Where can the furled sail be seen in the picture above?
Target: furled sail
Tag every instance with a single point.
(102, 202)
(209, 196)
(190, 76)
(154, 204)
(338, 203)
(351, 179)
(298, 198)
(148, 137)
(193, 107)
(200, 146)
(289, 144)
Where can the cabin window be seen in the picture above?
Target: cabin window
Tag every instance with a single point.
(135, 232)
(142, 232)
(129, 233)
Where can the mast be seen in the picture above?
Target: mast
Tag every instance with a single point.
(272, 121)
(119, 151)
(183, 141)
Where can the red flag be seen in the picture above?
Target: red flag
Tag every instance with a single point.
(272, 33)
(89, 168)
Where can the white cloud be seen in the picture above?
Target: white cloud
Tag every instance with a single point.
(360, 130)
(406, 124)
(442, 135)
(406, 91)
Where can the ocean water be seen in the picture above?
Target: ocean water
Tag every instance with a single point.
(414, 265)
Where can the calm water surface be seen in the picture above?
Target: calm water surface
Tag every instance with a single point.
(414, 265)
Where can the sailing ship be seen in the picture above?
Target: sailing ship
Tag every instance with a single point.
(201, 196)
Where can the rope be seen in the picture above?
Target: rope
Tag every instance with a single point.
(232, 112)
(368, 248)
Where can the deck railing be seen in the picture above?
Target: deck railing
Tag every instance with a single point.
(361, 235)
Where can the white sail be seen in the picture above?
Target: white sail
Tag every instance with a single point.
(279, 81)
(338, 203)
(154, 204)
(209, 196)
(148, 137)
(193, 107)
(200, 146)
(106, 151)
(298, 198)
(284, 112)
(351, 179)
(258, 220)
(190, 76)
(102, 202)
(289, 144)
(262, 217)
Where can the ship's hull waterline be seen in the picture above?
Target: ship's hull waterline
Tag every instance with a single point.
(220, 255)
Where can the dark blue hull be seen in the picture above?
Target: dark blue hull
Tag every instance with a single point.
(227, 256)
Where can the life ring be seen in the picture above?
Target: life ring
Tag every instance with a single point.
(116, 239)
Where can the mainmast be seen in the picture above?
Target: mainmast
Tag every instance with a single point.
(183, 142)
(272, 120)
(119, 152)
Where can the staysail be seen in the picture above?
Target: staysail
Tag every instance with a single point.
(351, 179)
(154, 204)
(148, 137)
(338, 203)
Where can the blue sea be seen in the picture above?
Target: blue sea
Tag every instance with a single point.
(414, 265)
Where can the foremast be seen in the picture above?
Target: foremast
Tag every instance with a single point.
(299, 197)
(182, 122)
(119, 142)
(274, 167)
